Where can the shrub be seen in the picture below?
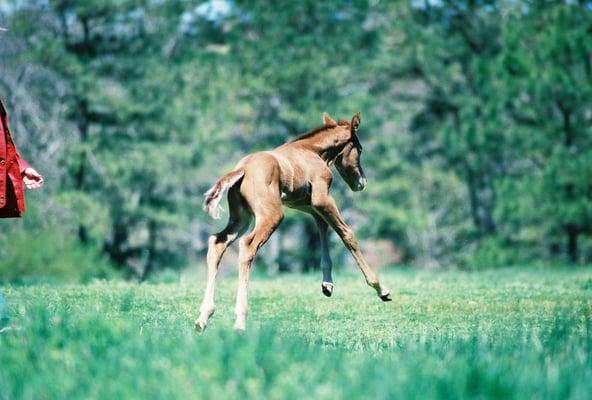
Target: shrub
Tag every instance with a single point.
(49, 256)
(495, 252)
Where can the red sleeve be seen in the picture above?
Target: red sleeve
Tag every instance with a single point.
(23, 165)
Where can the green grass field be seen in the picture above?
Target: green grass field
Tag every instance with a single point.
(499, 334)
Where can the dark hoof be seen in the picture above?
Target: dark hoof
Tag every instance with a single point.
(327, 288)
(386, 297)
(200, 326)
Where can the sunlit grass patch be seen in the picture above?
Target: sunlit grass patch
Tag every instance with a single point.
(503, 334)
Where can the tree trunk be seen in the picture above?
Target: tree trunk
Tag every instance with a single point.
(572, 244)
(149, 266)
(282, 265)
(82, 123)
(489, 226)
(568, 141)
(116, 247)
(473, 198)
(311, 258)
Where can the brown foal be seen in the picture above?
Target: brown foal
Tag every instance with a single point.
(297, 175)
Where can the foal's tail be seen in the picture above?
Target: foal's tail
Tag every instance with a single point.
(214, 194)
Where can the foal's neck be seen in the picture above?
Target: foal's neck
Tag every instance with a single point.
(327, 144)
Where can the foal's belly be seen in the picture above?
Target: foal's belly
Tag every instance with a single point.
(296, 198)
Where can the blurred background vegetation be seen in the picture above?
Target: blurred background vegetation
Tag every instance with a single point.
(476, 126)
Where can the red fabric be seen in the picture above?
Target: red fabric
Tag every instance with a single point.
(12, 166)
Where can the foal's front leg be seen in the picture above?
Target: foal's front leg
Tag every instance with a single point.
(326, 263)
(325, 205)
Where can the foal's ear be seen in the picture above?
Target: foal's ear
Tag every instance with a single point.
(355, 122)
(327, 120)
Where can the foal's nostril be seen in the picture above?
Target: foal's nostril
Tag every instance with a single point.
(361, 183)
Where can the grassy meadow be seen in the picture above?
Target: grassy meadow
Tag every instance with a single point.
(510, 333)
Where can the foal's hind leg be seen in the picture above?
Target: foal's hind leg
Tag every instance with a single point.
(217, 244)
(326, 263)
(262, 194)
(265, 225)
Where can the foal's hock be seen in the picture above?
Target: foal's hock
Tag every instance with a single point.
(296, 175)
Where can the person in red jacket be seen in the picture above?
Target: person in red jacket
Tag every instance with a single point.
(14, 173)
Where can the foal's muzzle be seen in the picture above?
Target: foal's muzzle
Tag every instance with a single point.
(360, 185)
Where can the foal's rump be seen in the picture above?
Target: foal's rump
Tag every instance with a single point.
(259, 177)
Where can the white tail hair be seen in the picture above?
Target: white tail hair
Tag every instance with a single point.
(214, 194)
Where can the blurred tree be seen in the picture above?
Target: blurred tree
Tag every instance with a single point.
(476, 120)
(548, 73)
(460, 124)
(127, 143)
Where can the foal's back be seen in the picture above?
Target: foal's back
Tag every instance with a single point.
(290, 167)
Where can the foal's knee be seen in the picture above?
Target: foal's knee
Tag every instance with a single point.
(319, 203)
(349, 238)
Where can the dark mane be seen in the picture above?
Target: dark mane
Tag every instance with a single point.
(318, 130)
(312, 133)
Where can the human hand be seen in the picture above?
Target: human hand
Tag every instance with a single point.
(32, 179)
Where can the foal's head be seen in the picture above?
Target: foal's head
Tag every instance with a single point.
(348, 161)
